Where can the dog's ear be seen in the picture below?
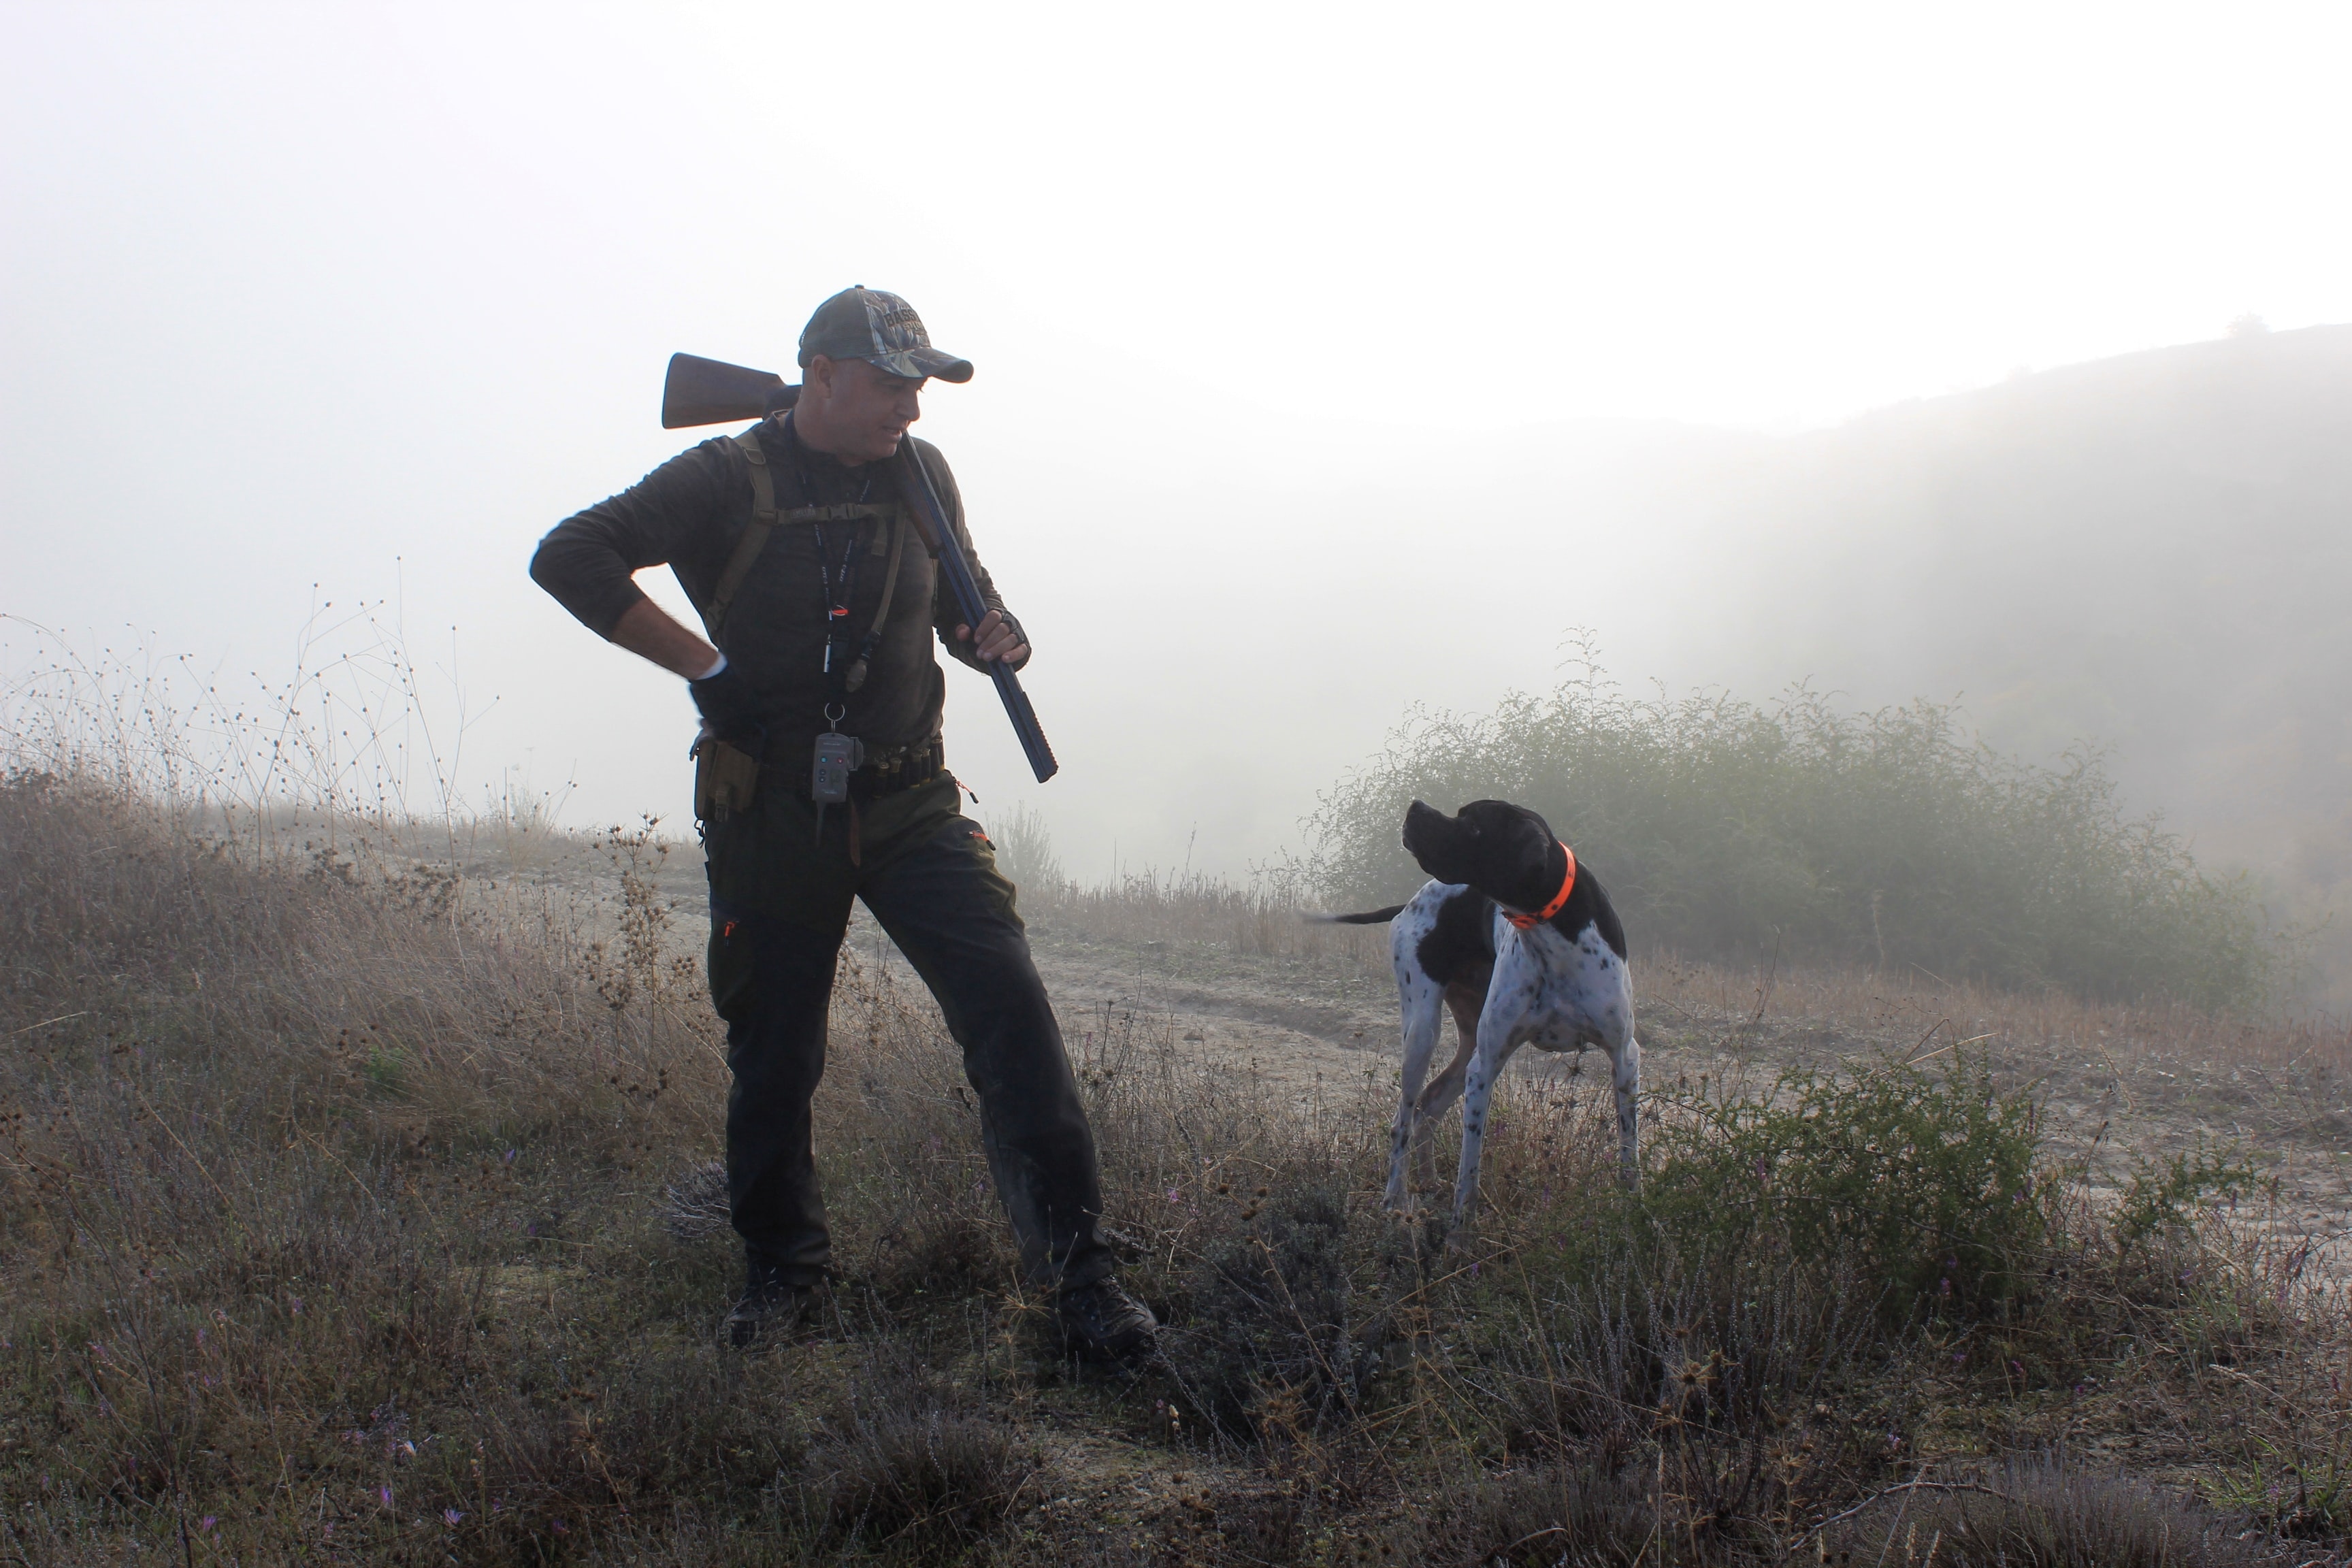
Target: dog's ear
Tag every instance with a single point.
(1507, 822)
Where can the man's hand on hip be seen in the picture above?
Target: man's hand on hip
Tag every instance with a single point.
(725, 700)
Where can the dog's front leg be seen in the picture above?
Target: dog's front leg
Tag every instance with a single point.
(1498, 1039)
(1421, 1002)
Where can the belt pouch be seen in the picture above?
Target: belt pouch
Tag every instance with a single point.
(726, 778)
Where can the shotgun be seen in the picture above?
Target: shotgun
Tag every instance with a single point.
(700, 391)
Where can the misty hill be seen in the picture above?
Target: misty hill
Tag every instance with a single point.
(2149, 551)
(2154, 550)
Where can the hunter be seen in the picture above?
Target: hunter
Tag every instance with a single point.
(804, 644)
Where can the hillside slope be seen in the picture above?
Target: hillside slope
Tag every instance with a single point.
(2152, 550)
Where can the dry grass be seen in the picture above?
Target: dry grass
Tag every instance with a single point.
(336, 1221)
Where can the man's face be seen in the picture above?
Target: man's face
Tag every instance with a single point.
(865, 411)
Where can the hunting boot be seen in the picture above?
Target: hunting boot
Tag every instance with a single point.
(1102, 1321)
(768, 1312)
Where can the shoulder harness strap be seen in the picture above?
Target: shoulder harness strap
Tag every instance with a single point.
(755, 537)
(764, 517)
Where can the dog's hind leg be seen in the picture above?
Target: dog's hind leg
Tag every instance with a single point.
(1420, 1000)
(1625, 1074)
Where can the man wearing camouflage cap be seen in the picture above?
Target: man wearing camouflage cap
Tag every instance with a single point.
(823, 626)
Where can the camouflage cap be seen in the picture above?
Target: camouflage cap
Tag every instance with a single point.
(866, 323)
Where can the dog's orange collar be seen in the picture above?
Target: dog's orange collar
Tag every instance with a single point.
(1558, 900)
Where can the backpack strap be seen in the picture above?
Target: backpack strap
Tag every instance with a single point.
(755, 537)
(764, 517)
(890, 590)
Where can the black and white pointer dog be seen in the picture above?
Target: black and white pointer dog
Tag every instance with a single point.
(1521, 945)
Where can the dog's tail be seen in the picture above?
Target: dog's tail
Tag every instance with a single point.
(1369, 918)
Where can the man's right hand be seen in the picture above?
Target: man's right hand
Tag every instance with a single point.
(726, 701)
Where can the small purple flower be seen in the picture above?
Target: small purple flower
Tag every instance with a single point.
(450, 1516)
(297, 1305)
(384, 1495)
(511, 1157)
(559, 1530)
(206, 1523)
(1944, 1286)
(1174, 1197)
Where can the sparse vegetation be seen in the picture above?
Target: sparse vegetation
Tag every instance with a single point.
(261, 1294)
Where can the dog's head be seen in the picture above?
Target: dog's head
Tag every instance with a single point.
(1505, 851)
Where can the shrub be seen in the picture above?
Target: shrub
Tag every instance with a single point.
(1727, 830)
(2164, 1197)
(1024, 851)
(1278, 1333)
(1925, 1184)
(908, 1462)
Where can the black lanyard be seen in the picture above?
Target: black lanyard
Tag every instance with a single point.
(836, 602)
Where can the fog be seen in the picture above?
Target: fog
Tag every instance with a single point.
(1330, 361)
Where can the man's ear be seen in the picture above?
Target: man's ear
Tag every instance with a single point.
(819, 374)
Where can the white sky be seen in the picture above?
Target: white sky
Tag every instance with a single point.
(290, 294)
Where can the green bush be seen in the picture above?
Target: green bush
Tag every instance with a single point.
(2167, 1195)
(1928, 1185)
(1727, 830)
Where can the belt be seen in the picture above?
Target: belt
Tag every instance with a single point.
(888, 770)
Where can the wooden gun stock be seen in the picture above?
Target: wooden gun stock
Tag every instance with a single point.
(700, 391)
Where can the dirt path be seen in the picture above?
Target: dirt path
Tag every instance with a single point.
(1318, 1024)
(1312, 1024)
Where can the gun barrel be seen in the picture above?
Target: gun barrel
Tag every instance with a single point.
(933, 519)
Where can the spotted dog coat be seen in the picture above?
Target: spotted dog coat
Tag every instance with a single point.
(1559, 985)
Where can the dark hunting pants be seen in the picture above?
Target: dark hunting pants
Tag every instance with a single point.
(779, 906)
